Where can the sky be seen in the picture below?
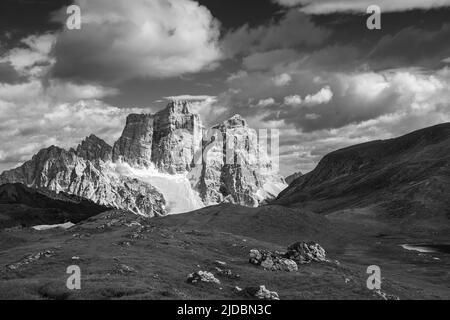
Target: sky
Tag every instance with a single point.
(310, 69)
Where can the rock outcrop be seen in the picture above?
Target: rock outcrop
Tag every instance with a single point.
(233, 168)
(94, 148)
(202, 276)
(167, 140)
(135, 144)
(60, 170)
(273, 261)
(261, 293)
(297, 254)
(177, 136)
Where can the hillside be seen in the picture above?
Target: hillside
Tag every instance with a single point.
(124, 256)
(404, 180)
(26, 207)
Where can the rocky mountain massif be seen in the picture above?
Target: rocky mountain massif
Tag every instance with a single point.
(406, 179)
(169, 142)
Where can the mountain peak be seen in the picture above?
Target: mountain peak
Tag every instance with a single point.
(93, 148)
(236, 121)
(178, 106)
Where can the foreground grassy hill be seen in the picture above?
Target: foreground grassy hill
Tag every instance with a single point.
(123, 256)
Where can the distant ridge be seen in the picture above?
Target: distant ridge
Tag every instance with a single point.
(405, 178)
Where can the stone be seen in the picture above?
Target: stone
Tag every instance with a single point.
(261, 293)
(273, 261)
(30, 259)
(202, 276)
(306, 252)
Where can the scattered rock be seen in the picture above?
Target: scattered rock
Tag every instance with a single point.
(306, 252)
(202, 276)
(124, 269)
(30, 259)
(227, 273)
(261, 293)
(386, 296)
(274, 261)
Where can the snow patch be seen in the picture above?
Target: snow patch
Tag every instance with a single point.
(177, 190)
(44, 227)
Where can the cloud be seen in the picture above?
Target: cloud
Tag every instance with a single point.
(293, 30)
(294, 100)
(149, 39)
(330, 6)
(282, 80)
(266, 102)
(33, 58)
(34, 115)
(426, 48)
(323, 96)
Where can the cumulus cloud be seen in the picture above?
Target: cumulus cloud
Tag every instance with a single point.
(266, 102)
(282, 80)
(34, 115)
(152, 39)
(323, 96)
(33, 57)
(330, 6)
(327, 110)
(294, 100)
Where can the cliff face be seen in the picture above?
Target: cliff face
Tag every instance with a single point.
(135, 144)
(226, 165)
(94, 148)
(65, 171)
(234, 169)
(177, 135)
(166, 140)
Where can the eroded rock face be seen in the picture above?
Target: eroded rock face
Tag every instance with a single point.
(93, 148)
(233, 167)
(135, 144)
(59, 170)
(167, 139)
(177, 135)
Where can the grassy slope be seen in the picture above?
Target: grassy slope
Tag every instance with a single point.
(403, 181)
(172, 247)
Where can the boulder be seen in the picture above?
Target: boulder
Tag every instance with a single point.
(202, 276)
(261, 293)
(306, 252)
